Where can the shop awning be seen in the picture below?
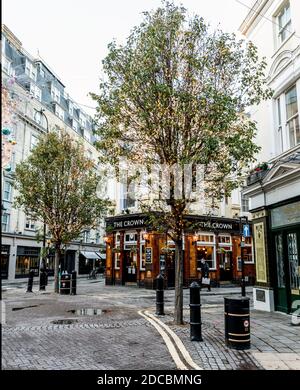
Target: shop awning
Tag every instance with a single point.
(90, 255)
(101, 255)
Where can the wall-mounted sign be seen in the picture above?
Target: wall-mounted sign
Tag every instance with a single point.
(260, 295)
(148, 254)
(162, 262)
(260, 252)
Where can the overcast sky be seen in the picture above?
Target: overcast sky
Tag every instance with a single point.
(72, 35)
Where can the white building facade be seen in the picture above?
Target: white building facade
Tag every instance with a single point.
(39, 104)
(274, 186)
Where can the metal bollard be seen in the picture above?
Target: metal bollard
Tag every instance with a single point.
(160, 295)
(43, 277)
(195, 312)
(30, 280)
(73, 282)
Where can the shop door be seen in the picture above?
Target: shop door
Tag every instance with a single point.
(281, 295)
(287, 266)
(293, 251)
(129, 267)
(225, 265)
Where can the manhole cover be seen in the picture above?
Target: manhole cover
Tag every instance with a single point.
(63, 322)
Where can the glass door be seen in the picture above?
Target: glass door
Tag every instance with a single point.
(293, 266)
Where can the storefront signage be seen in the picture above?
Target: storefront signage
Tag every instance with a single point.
(148, 252)
(260, 252)
(288, 214)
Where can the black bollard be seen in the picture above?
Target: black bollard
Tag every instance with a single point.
(73, 282)
(42, 280)
(30, 280)
(195, 312)
(160, 295)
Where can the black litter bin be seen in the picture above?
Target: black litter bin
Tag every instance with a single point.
(65, 284)
(237, 322)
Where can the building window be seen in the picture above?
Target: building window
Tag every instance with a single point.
(206, 249)
(36, 91)
(245, 204)
(27, 258)
(6, 66)
(130, 238)
(82, 120)
(279, 125)
(284, 23)
(224, 240)
(33, 141)
(117, 260)
(30, 70)
(30, 224)
(5, 222)
(71, 108)
(75, 124)
(292, 117)
(7, 191)
(59, 112)
(86, 236)
(42, 73)
(55, 93)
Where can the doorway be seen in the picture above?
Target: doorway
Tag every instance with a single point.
(225, 266)
(130, 267)
(287, 255)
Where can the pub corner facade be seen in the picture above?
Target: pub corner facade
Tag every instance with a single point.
(136, 255)
(273, 187)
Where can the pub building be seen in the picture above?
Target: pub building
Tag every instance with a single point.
(135, 254)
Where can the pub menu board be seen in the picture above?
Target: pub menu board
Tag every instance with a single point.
(148, 252)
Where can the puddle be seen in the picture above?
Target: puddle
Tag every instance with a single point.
(24, 307)
(63, 322)
(88, 312)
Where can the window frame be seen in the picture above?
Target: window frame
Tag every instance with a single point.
(6, 182)
(7, 223)
(287, 27)
(294, 118)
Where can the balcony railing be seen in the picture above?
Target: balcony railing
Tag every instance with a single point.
(256, 177)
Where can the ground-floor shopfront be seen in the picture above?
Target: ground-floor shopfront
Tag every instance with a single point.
(135, 254)
(275, 208)
(20, 254)
(277, 247)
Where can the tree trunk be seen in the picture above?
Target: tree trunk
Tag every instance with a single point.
(178, 311)
(56, 268)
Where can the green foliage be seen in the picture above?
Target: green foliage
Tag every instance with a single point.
(57, 185)
(177, 93)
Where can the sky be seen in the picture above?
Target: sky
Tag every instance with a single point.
(72, 35)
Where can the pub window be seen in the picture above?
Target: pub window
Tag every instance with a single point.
(225, 240)
(206, 249)
(130, 237)
(117, 260)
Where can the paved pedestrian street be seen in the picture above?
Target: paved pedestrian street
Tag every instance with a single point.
(111, 328)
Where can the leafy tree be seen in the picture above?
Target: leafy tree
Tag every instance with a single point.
(57, 185)
(177, 93)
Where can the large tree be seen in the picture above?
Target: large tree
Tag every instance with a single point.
(57, 185)
(177, 93)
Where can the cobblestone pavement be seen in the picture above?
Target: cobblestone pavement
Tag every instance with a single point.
(100, 328)
(275, 343)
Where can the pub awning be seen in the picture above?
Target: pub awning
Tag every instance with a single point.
(90, 255)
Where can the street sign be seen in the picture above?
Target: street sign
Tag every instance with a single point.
(246, 230)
